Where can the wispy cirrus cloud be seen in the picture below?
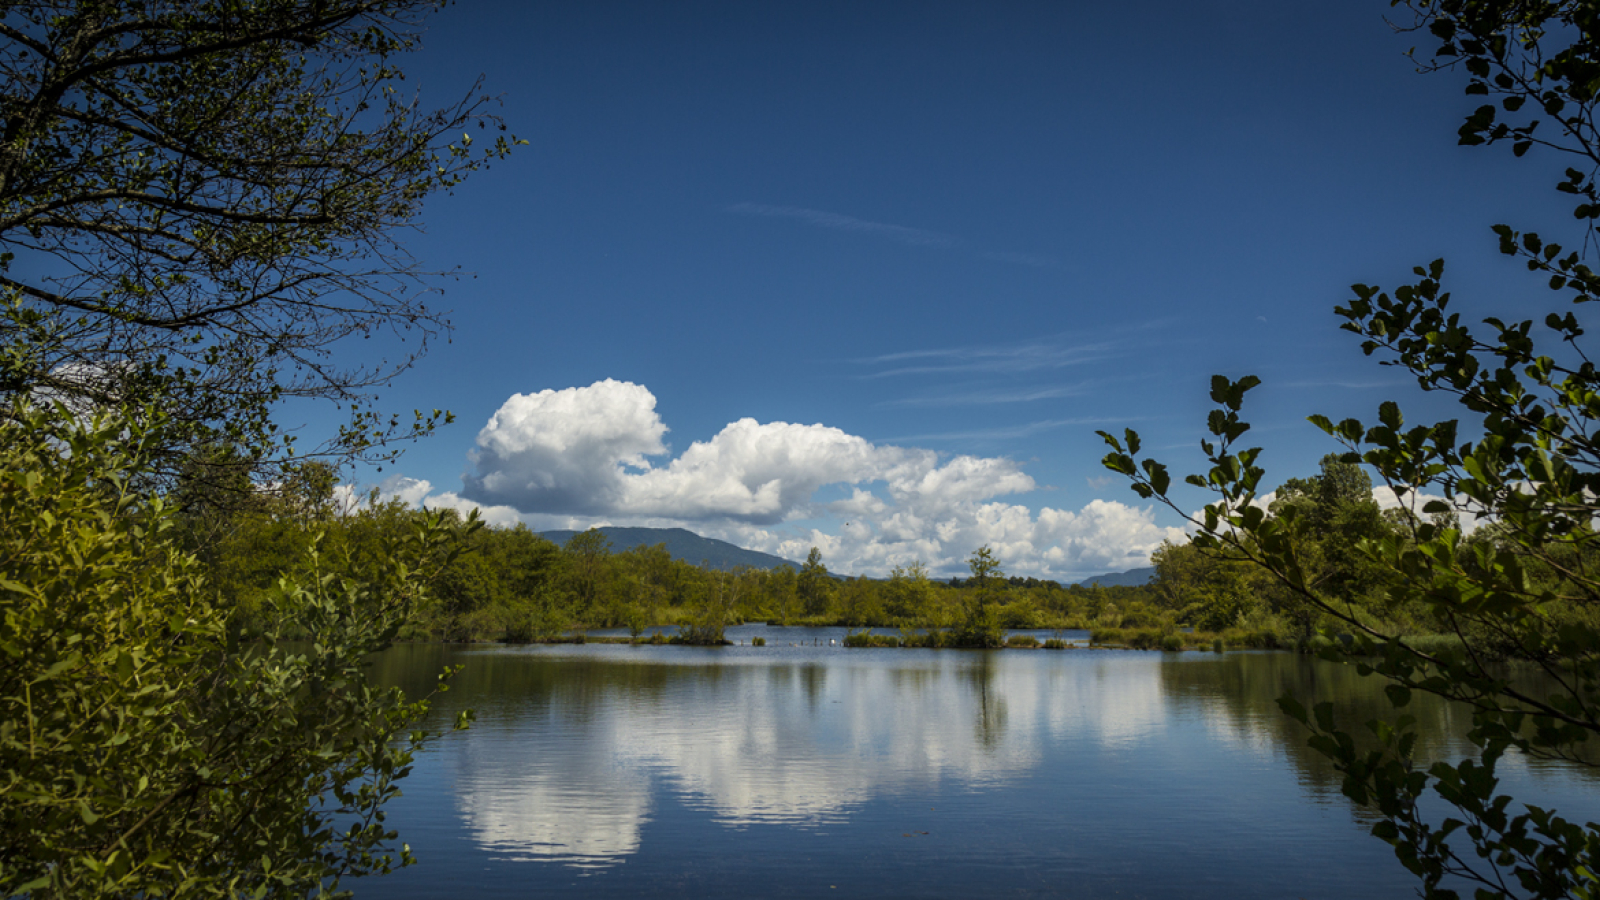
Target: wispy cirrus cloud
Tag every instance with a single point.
(1023, 259)
(1040, 354)
(993, 396)
(1015, 358)
(1345, 385)
(916, 237)
(903, 234)
(1013, 432)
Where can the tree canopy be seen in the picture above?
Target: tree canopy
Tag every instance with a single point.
(200, 200)
(144, 750)
(1525, 466)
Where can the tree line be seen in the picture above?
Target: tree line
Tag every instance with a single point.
(511, 584)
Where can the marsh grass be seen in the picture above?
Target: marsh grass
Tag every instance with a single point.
(1162, 639)
(868, 639)
(1138, 638)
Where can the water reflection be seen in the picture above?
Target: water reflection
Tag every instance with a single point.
(587, 816)
(570, 741)
(570, 771)
(579, 748)
(1237, 694)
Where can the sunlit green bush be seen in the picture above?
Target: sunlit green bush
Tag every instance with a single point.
(145, 751)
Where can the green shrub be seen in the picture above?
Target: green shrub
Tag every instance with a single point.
(540, 620)
(868, 639)
(1022, 613)
(1446, 646)
(1317, 643)
(1055, 644)
(159, 756)
(1138, 639)
(933, 637)
(758, 642)
(978, 631)
(703, 634)
(1146, 639)
(637, 621)
(1123, 637)
(520, 629)
(1255, 640)
(1022, 640)
(1140, 615)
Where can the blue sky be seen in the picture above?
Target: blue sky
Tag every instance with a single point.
(868, 276)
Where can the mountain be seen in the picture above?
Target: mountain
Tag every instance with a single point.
(1130, 578)
(682, 544)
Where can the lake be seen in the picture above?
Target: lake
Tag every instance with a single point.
(801, 769)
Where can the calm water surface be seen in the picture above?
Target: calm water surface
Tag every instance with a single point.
(801, 769)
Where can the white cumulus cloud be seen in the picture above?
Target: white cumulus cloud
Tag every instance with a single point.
(585, 451)
(597, 454)
(565, 450)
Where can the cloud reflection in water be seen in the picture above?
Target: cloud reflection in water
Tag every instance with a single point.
(763, 741)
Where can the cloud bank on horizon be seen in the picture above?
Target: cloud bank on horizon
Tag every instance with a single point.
(596, 455)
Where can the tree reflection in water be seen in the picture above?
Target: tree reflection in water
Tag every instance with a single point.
(577, 750)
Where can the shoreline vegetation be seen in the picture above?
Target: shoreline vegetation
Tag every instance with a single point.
(513, 586)
(1099, 639)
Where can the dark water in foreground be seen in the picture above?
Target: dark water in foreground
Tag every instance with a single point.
(814, 771)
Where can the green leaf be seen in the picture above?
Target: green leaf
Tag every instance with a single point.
(1220, 387)
(1324, 716)
(1389, 414)
(1157, 473)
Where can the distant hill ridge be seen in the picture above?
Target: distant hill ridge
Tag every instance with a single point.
(692, 548)
(682, 544)
(1131, 578)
